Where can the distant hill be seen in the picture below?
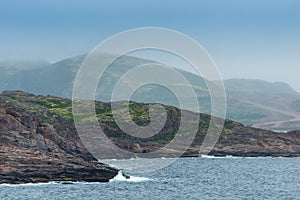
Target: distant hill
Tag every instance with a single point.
(24, 65)
(251, 87)
(252, 102)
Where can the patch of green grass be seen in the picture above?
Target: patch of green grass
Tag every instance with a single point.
(57, 106)
(103, 109)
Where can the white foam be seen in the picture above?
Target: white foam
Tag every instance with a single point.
(219, 157)
(27, 184)
(120, 177)
(207, 156)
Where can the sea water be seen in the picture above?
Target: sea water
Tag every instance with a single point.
(186, 178)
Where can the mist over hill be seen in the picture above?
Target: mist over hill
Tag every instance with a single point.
(252, 102)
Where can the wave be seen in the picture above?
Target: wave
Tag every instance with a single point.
(243, 157)
(228, 156)
(121, 177)
(28, 184)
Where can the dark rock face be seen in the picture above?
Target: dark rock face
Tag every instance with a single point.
(252, 142)
(32, 151)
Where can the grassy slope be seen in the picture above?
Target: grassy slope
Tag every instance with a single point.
(50, 109)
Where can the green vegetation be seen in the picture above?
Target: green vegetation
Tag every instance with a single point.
(58, 106)
(57, 111)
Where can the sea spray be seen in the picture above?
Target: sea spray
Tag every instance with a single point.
(120, 177)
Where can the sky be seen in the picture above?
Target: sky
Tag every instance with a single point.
(258, 39)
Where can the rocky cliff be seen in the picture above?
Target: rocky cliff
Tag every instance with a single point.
(34, 150)
(39, 142)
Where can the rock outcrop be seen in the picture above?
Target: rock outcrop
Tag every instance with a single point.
(31, 150)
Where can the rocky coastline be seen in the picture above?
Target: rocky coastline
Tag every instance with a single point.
(39, 142)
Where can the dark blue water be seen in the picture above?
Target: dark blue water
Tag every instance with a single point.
(187, 178)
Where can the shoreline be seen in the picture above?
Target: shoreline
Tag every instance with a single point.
(67, 181)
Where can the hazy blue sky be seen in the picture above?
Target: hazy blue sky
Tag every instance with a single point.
(247, 39)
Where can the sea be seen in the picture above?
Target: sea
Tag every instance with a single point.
(185, 178)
